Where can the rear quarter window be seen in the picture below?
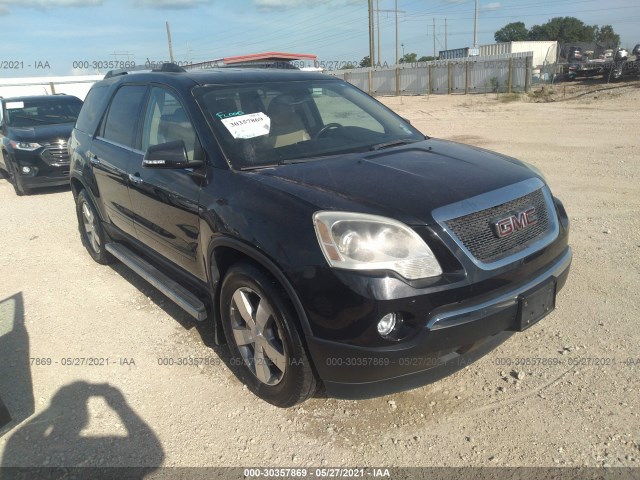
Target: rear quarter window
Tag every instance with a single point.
(124, 111)
(93, 106)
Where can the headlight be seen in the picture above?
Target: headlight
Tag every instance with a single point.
(25, 145)
(356, 241)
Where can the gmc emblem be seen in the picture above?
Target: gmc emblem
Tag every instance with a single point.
(515, 222)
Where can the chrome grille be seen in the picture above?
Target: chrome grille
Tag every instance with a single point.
(56, 154)
(475, 231)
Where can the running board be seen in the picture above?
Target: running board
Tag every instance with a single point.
(176, 292)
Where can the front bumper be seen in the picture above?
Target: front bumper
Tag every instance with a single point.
(454, 336)
(46, 171)
(52, 179)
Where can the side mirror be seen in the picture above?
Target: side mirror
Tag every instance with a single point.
(169, 155)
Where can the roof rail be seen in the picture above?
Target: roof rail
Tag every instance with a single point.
(149, 67)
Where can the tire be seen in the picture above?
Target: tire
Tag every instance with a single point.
(15, 181)
(91, 231)
(269, 353)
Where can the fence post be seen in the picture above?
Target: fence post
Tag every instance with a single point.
(397, 81)
(467, 79)
(527, 74)
(449, 79)
(370, 81)
(430, 79)
(53, 88)
(510, 78)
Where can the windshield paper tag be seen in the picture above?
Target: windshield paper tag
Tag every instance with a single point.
(248, 126)
(11, 105)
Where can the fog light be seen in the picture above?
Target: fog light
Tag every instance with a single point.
(388, 323)
(26, 170)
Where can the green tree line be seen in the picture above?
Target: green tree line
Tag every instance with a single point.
(562, 29)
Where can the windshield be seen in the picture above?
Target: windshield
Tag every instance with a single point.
(31, 113)
(284, 122)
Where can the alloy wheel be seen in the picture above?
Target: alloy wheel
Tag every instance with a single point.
(90, 228)
(258, 336)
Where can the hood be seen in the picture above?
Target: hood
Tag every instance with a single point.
(406, 183)
(41, 133)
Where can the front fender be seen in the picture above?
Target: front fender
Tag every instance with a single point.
(246, 251)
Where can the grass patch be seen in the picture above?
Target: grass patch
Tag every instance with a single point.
(543, 93)
(509, 97)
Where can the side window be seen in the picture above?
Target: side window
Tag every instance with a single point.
(166, 120)
(121, 121)
(88, 118)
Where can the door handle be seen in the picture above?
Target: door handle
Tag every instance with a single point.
(94, 159)
(135, 178)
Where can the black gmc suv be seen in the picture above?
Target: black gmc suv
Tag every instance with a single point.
(327, 240)
(34, 132)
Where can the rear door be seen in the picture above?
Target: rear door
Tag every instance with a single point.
(165, 202)
(113, 150)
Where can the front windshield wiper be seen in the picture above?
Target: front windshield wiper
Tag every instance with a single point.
(35, 119)
(257, 167)
(59, 116)
(288, 161)
(294, 160)
(394, 143)
(64, 120)
(291, 161)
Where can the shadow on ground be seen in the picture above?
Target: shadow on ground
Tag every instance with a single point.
(16, 389)
(52, 439)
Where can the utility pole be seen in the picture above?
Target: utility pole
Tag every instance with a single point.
(189, 52)
(117, 54)
(434, 37)
(396, 32)
(395, 11)
(170, 46)
(378, 28)
(475, 28)
(372, 52)
(445, 34)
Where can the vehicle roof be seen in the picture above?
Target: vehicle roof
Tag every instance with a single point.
(39, 98)
(218, 76)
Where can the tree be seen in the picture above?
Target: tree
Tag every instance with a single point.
(365, 62)
(409, 58)
(512, 32)
(349, 66)
(606, 35)
(426, 58)
(561, 29)
(564, 30)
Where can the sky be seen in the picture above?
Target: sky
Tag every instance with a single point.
(61, 37)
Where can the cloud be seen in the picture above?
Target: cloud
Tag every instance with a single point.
(6, 4)
(172, 4)
(492, 6)
(286, 4)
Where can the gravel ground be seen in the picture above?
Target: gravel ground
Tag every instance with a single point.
(576, 405)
